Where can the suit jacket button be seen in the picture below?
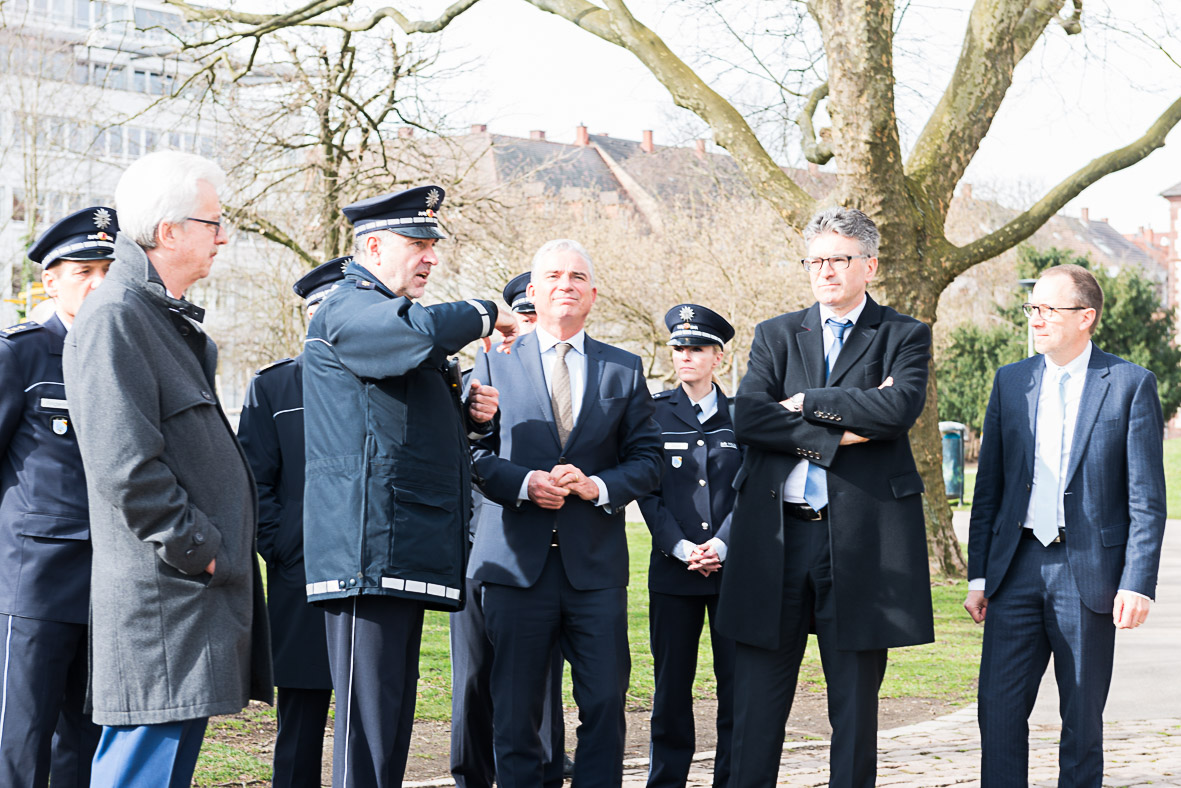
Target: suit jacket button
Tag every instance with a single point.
(700, 442)
(205, 395)
(199, 538)
(561, 461)
(701, 482)
(341, 583)
(705, 526)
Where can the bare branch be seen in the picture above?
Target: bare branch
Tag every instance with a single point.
(815, 151)
(1027, 223)
(247, 220)
(1073, 24)
(1000, 33)
(617, 26)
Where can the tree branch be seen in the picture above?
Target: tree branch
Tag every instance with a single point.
(617, 26)
(311, 15)
(815, 151)
(1000, 33)
(1027, 223)
(245, 217)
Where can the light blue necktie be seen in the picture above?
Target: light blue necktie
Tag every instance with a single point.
(816, 482)
(1045, 492)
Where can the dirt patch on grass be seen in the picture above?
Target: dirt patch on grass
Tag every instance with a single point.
(431, 744)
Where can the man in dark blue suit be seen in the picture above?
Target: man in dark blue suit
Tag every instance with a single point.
(1067, 523)
(271, 434)
(472, 758)
(44, 524)
(576, 442)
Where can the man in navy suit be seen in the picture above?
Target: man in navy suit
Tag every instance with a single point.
(1067, 523)
(576, 443)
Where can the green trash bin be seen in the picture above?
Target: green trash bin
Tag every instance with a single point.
(954, 434)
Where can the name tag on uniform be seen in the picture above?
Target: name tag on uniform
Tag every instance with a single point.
(59, 404)
(673, 446)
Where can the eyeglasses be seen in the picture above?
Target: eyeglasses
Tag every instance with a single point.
(1048, 312)
(839, 262)
(217, 225)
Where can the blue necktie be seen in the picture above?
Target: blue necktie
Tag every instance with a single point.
(1045, 492)
(816, 482)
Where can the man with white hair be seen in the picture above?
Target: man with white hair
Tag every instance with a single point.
(576, 444)
(178, 628)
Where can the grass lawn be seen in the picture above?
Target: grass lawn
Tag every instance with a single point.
(1173, 477)
(945, 669)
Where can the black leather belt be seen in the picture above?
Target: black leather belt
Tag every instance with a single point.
(802, 511)
(1027, 533)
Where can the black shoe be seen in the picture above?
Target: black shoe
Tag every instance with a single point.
(567, 767)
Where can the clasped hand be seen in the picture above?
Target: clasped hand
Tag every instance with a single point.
(704, 560)
(549, 490)
(795, 404)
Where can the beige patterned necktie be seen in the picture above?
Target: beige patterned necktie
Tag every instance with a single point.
(560, 398)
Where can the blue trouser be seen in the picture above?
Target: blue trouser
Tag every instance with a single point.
(1037, 612)
(524, 625)
(43, 730)
(473, 762)
(148, 756)
(373, 644)
(299, 743)
(675, 623)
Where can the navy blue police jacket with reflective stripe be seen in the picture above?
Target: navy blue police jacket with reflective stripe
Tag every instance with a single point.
(388, 476)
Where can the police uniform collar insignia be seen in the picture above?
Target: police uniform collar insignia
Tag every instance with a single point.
(102, 218)
(20, 328)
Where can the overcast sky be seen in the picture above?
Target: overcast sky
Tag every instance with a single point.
(1074, 98)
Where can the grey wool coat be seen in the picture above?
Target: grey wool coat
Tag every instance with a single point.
(170, 489)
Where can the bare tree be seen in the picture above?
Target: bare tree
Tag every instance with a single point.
(908, 194)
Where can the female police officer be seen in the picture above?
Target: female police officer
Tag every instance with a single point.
(689, 517)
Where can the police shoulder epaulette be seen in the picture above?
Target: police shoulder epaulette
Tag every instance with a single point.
(664, 394)
(274, 364)
(20, 328)
(365, 284)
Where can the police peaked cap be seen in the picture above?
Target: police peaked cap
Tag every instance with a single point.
(514, 293)
(320, 281)
(413, 213)
(88, 234)
(692, 325)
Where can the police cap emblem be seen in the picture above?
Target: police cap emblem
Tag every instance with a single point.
(102, 218)
(432, 198)
(686, 313)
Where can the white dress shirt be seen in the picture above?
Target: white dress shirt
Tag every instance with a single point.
(793, 486)
(708, 403)
(576, 365)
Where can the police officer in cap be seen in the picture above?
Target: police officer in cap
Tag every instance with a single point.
(472, 758)
(689, 517)
(514, 296)
(44, 523)
(387, 495)
(271, 433)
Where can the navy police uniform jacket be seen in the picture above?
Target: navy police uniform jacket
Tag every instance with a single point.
(44, 523)
(696, 495)
(271, 434)
(388, 490)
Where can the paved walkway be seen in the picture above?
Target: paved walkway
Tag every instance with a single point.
(1143, 718)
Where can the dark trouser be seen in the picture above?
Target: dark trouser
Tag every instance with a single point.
(675, 629)
(1037, 612)
(148, 756)
(43, 729)
(765, 679)
(373, 646)
(472, 756)
(524, 625)
(300, 741)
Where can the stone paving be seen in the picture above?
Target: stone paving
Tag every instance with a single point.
(946, 752)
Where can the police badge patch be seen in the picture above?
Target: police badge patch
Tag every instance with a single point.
(676, 462)
(60, 425)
